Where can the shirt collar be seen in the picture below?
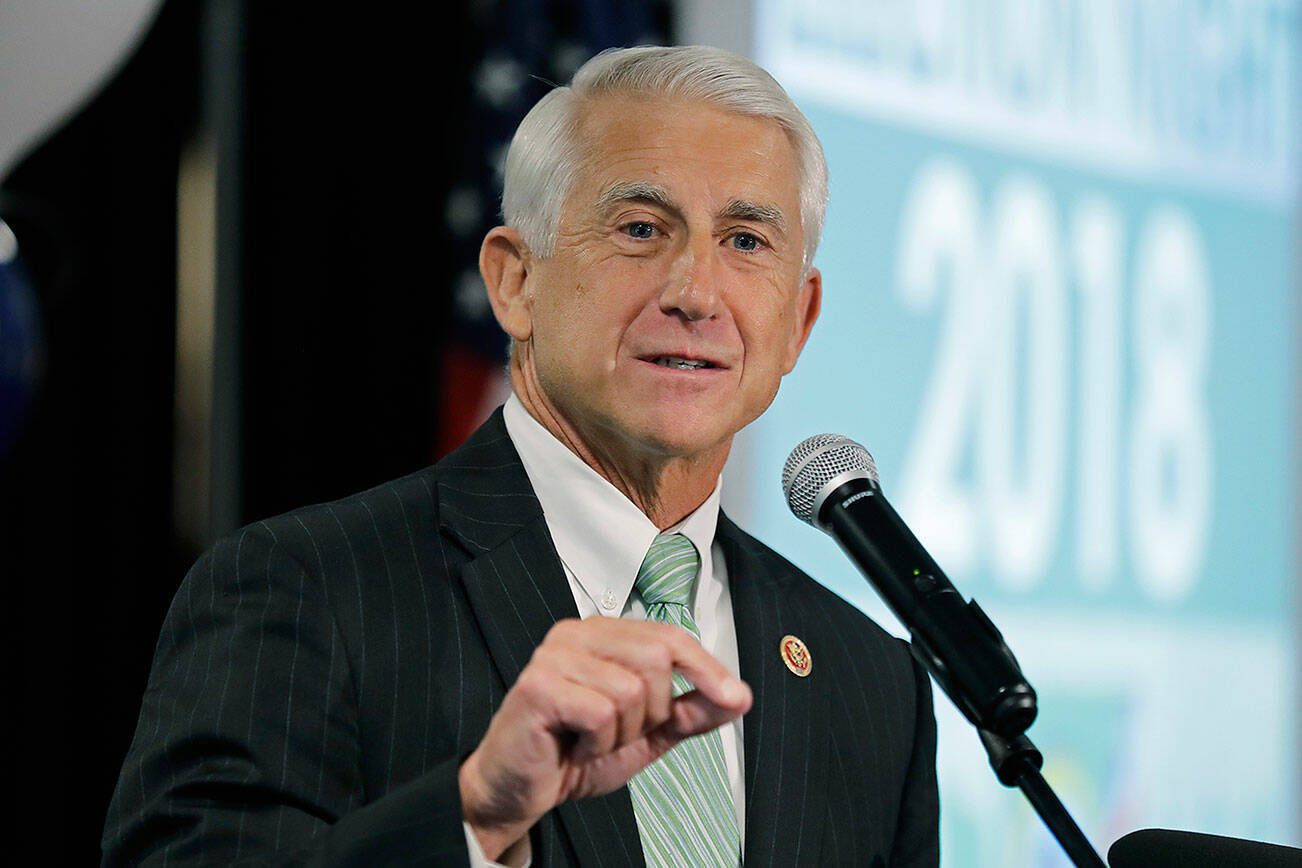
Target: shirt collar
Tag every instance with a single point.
(600, 535)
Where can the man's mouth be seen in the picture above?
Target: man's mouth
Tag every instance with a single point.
(681, 364)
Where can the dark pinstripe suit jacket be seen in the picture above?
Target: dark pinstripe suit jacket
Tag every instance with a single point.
(321, 674)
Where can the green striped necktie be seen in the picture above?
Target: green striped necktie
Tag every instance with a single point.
(685, 812)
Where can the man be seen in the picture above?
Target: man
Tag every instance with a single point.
(403, 677)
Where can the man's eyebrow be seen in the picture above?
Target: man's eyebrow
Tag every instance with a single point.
(636, 191)
(739, 209)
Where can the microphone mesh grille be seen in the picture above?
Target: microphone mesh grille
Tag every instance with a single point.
(815, 462)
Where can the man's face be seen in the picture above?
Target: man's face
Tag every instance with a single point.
(674, 300)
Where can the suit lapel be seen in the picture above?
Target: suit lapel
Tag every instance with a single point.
(785, 745)
(517, 589)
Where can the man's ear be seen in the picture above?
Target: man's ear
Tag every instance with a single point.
(504, 262)
(809, 301)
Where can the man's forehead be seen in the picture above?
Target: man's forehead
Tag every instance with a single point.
(635, 115)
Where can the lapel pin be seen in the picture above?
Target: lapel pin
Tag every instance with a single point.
(796, 656)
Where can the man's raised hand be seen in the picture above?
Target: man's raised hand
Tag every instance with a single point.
(593, 708)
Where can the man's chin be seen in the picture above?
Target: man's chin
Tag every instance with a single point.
(683, 435)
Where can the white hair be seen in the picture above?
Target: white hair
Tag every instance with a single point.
(545, 152)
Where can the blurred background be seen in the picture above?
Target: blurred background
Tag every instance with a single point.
(237, 275)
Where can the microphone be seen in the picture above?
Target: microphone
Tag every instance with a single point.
(1164, 848)
(831, 482)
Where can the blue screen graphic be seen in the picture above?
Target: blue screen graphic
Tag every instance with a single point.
(1060, 311)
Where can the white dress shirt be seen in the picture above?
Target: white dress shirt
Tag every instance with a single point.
(601, 538)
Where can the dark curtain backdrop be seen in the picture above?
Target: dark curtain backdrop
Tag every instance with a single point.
(86, 543)
(366, 176)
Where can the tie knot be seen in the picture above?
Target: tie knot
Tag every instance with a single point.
(668, 570)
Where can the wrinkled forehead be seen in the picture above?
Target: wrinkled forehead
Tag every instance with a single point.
(612, 130)
(596, 117)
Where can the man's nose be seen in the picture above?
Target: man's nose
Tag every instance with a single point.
(692, 288)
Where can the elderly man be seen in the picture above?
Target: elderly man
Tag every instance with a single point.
(552, 646)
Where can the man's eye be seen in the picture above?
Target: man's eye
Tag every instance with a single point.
(641, 230)
(745, 241)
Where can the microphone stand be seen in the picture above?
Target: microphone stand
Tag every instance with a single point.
(1016, 762)
(980, 674)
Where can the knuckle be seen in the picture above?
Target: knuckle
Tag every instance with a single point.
(678, 640)
(544, 657)
(659, 659)
(532, 682)
(664, 632)
(604, 716)
(630, 691)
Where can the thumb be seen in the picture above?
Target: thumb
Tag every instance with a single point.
(694, 713)
(690, 714)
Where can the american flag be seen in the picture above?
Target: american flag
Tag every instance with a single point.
(522, 49)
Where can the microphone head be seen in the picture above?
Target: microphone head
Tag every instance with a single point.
(817, 466)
